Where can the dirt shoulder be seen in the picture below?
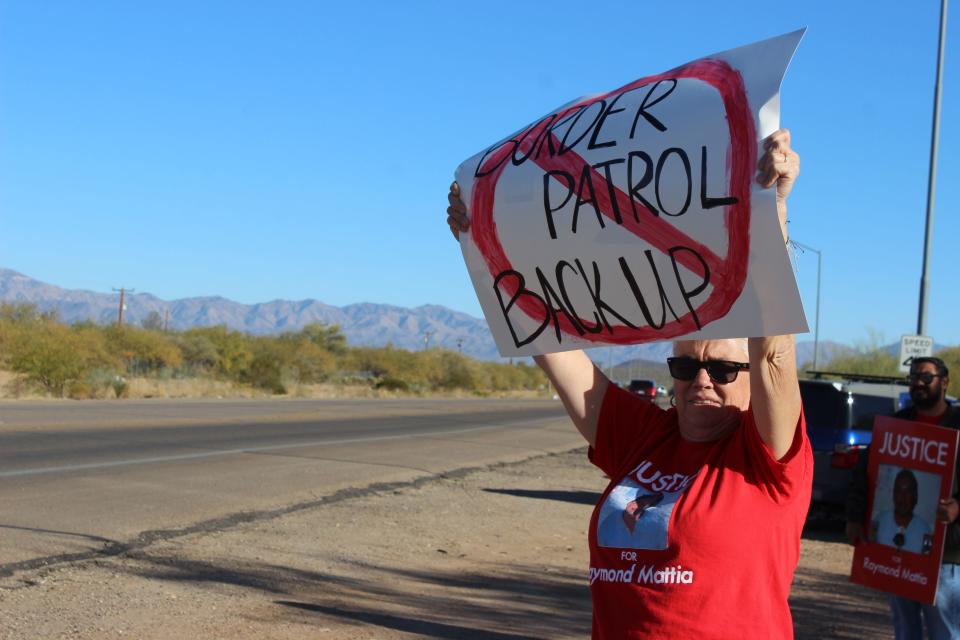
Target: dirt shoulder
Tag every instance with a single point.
(496, 553)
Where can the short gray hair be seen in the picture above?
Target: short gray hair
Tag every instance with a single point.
(741, 343)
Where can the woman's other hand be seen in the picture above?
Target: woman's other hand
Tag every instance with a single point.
(456, 212)
(779, 165)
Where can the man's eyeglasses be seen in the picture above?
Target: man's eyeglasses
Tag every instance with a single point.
(720, 371)
(924, 376)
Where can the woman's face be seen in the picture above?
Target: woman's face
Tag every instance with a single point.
(705, 408)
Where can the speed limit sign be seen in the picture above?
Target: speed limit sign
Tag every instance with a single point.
(914, 347)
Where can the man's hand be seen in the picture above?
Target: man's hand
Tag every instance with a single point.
(456, 212)
(779, 165)
(855, 533)
(948, 510)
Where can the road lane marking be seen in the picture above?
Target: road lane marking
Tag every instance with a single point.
(227, 452)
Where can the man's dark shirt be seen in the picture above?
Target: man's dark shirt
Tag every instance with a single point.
(857, 493)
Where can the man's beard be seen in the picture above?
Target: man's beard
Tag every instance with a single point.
(925, 398)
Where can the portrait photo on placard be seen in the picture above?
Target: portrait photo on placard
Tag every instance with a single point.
(904, 509)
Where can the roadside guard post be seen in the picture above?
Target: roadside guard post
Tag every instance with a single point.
(914, 347)
(634, 215)
(911, 470)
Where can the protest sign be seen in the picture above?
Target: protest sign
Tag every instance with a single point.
(634, 216)
(911, 469)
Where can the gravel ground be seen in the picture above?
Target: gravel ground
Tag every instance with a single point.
(496, 553)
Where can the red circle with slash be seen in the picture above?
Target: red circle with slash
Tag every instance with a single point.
(729, 272)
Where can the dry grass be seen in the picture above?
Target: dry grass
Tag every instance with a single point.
(364, 391)
(12, 387)
(189, 388)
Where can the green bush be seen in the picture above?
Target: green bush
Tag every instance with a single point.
(312, 363)
(232, 348)
(144, 352)
(326, 337)
(267, 367)
(49, 355)
(392, 384)
(89, 360)
(198, 351)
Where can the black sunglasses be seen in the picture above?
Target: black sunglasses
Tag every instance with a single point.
(925, 377)
(720, 371)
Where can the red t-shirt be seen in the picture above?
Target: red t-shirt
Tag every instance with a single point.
(934, 420)
(693, 540)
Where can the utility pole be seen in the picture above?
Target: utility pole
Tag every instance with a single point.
(426, 339)
(122, 291)
(459, 345)
(932, 177)
(166, 320)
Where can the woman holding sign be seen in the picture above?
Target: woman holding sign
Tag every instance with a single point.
(698, 532)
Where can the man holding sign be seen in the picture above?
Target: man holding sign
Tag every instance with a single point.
(929, 378)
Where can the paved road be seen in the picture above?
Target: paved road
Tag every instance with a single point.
(77, 479)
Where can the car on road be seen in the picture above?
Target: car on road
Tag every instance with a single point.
(839, 415)
(644, 388)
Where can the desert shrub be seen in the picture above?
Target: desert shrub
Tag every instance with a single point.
(449, 370)
(153, 321)
(143, 352)
(874, 362)
(389, 383)
(99, 382)
(199, 352)
(79, 390)
(49, 355)
(97, 351)
(312, 363)
(233, 350)
(381, 362)
(269, 366)
(508, 377)
(119, 386)
(89, 360)
(19, 313)
(14, 319)
(327, 337)
(868, 358)
(355, 378)
(951, 358)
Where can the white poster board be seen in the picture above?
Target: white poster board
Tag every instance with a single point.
(634, 216)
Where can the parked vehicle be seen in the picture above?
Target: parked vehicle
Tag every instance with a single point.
(644, 388)
(839, 418)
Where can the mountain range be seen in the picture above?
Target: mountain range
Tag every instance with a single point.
(363, 324)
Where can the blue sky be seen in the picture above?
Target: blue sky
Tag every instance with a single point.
(293, 150)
